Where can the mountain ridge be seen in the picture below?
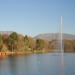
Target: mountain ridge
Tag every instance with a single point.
(53, 36)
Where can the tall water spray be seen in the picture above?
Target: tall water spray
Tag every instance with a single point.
(62, 47)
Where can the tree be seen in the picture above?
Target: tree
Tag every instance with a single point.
(73, 45)
(26, 40)
(13, 40)
(40, 44)
(21, 43)
(11, 44)
(14, 36)
(32, 43)
(68, 46)
(5, 38)
(1, 42)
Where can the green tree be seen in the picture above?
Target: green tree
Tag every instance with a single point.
(14, 36)
(40, 44)
(26, 41)
(13, 40)
(11, 44)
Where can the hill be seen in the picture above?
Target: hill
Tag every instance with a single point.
(54, 36)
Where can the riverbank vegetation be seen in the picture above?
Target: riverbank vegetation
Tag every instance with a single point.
(15, 42)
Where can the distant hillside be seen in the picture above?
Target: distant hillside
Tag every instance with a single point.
(53, 36)
(6, 32)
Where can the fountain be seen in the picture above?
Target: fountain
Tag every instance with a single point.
(61, 48)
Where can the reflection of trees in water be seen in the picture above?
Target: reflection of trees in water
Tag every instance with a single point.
(0, 65)
(13, 65)
(4, 66)
(22, 66)
(18, 66)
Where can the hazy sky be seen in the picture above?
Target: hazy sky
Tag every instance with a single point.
(32, 17)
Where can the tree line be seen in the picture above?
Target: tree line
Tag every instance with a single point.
(17, 42)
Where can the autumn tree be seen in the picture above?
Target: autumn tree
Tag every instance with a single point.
(68, 46)
(1, 42)
(74, 45)
(32, 43)
(21, 43)
(5, 38)
(40, 44)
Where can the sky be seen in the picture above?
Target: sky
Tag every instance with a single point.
(33, 17)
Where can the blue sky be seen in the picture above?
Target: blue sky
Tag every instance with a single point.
(33, 17)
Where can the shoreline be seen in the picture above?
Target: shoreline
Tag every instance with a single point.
(20, 53)
(13, 53)
(8, 53)
(2, 54)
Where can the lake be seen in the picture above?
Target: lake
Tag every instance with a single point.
(38, 64)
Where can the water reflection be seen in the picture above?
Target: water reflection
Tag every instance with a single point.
(12, 64)
(23, 65)
(48, 64)
(4, 67)
(37, 64)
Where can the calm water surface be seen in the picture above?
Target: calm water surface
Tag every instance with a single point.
(37, 64)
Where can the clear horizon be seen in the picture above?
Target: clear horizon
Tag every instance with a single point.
(32, 17)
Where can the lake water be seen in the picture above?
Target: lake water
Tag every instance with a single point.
(38, 64)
